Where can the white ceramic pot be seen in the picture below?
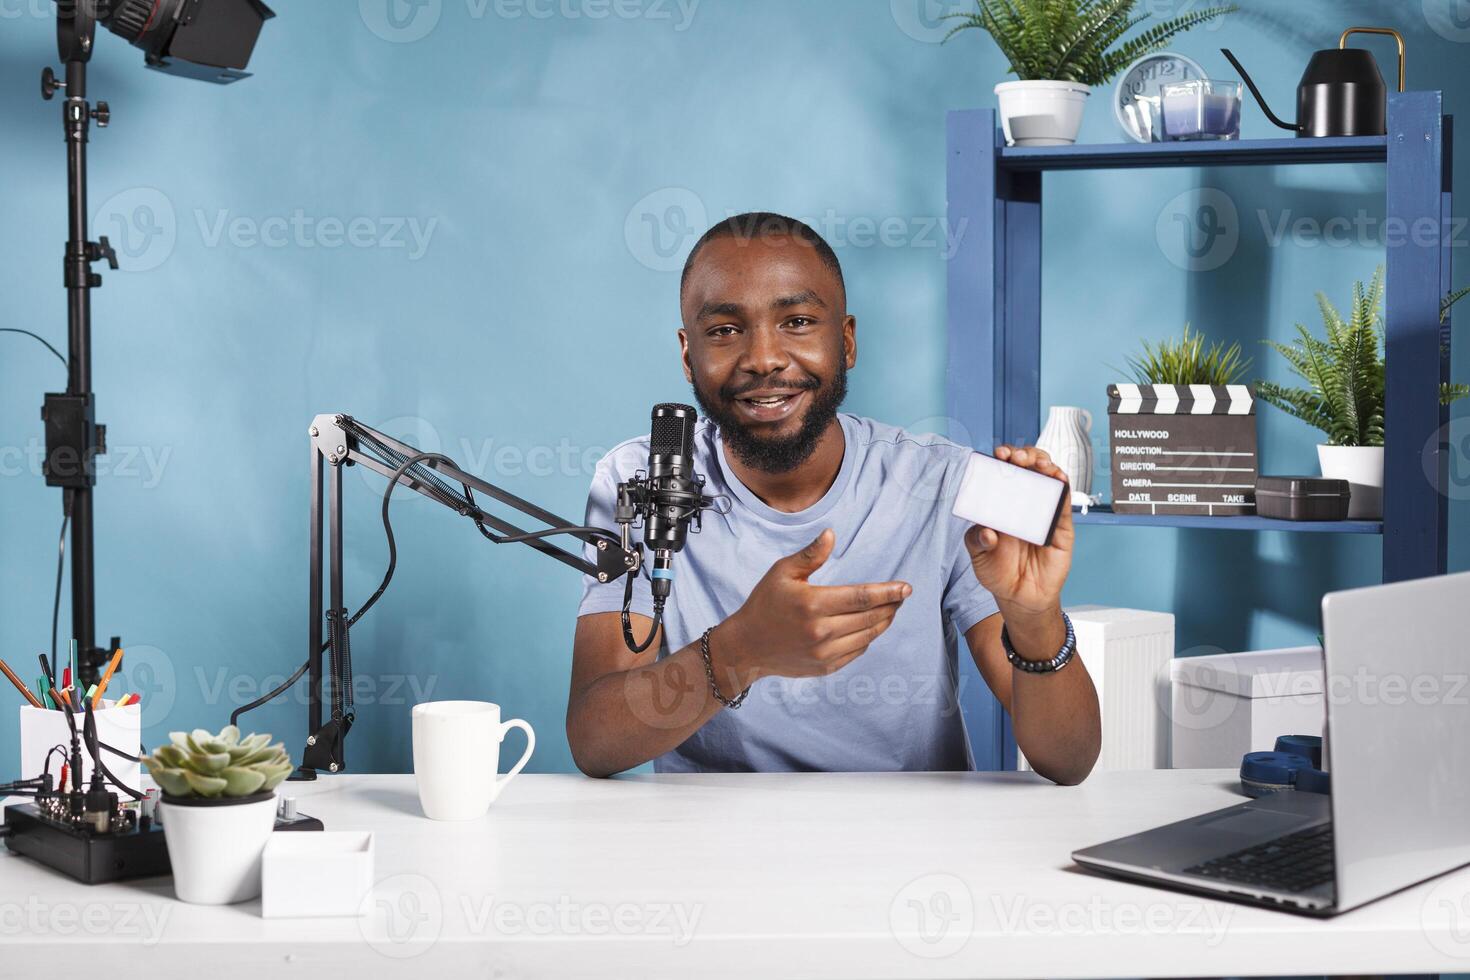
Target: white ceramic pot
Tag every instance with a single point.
(1041, 113)
(1362, 467)
(215, 846)
(1067, 439)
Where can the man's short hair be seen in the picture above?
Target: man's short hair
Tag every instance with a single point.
(765, 224)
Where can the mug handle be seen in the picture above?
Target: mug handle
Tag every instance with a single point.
(525, 756)
(1088, 416)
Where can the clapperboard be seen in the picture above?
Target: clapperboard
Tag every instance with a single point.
(1183, 449)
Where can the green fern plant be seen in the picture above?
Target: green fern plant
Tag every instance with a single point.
(1344, 372)
(1074, 40)
(1188, 362)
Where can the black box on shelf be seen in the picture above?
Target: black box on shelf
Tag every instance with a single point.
(1187, 450)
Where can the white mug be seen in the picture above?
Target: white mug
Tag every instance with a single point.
(456, 756)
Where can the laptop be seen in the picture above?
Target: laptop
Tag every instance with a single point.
(1397, 688)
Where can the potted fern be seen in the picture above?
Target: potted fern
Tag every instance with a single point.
(1344, 394)
(1183, 432)
(218, 810)
(1058, 50)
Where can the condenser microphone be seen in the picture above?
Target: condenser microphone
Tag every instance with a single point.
(674, 490)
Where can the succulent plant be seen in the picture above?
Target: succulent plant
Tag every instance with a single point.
(225, 765)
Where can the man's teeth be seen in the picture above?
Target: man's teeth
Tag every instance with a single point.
(777, 400)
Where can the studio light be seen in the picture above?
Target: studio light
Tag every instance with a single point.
(209, 40)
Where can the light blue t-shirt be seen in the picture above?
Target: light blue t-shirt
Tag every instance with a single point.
(896, 706)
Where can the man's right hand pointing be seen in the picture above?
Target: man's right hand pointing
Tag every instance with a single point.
(791, 628)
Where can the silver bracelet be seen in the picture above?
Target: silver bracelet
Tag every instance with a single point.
(709, 672)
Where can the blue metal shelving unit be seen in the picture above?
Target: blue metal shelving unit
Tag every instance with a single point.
(994, 320)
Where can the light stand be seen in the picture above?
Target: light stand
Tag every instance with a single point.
(73, 437)
(210, 40)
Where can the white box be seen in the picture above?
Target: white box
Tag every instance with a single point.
(1233, 703)
(308, 873)
(1127, 653)
(42, 729)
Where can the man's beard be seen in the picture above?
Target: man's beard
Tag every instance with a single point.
(780, 454)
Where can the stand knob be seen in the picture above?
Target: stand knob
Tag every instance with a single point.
(49, 83)
(103, 115)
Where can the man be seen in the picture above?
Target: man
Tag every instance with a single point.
(832, 591)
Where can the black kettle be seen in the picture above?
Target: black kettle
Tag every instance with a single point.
(1341, 93)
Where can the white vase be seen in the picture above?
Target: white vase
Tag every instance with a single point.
(1067, 439)
(1362, 467)
(215, 846)
(1041, 113)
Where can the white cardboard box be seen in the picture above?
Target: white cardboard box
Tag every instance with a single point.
(316, 873)
(1127, 652)
(1232, 703)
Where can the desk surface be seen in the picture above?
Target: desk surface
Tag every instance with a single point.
(953, 875)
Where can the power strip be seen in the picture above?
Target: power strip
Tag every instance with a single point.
(92, 858)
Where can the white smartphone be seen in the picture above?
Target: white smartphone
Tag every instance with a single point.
(1010, 499)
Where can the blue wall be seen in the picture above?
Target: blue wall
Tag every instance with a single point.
(463, 224)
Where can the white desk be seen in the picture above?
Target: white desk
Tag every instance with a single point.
(742, 876)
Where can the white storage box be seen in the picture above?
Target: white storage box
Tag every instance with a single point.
(41, 729)
(1127, 652)
(316, 873)
(1233, 703)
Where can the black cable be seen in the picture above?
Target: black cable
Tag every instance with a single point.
(89, 729)
(43, 340)
(119, 752)
(235, 715)
(60, 565)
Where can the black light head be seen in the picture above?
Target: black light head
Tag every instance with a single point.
(208, 40)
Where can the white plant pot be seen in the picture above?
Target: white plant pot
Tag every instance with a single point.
(1362, 467)
(1041, 113)
(215, 846)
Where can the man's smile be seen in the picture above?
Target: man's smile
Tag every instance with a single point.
(769, 406)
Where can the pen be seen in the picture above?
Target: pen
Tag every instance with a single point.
(106, 677)
(65, 678)
(10, 675)
(65, 698)
(91, 695)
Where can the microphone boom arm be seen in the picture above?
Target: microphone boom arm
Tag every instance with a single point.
(339, 441)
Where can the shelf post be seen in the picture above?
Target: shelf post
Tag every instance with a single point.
(994, 310)
(1417, 242)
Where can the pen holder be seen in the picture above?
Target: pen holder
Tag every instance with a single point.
(41, 730)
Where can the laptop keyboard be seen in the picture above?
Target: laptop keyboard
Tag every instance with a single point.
(1297, 862)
